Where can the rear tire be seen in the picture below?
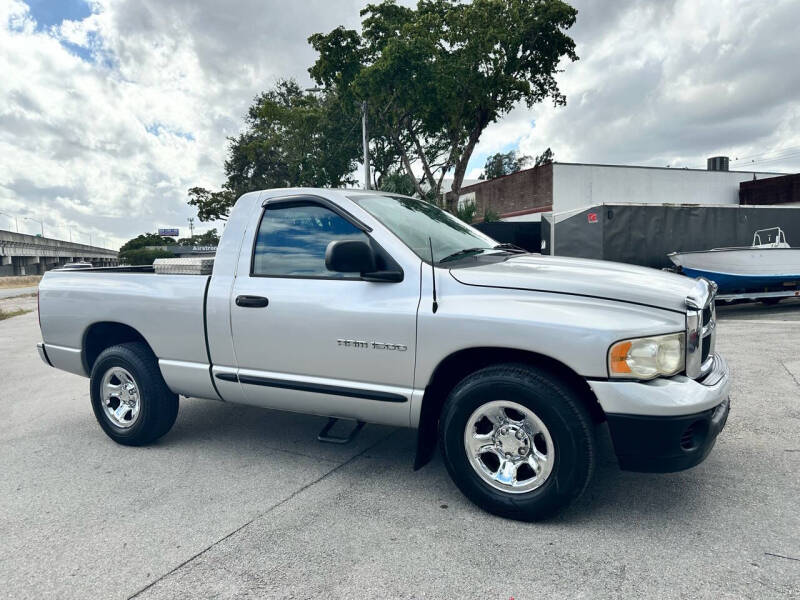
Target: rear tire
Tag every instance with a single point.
(518, 414)
(130, 398)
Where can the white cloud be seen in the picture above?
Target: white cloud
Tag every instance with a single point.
(105, 122)
(674, 83)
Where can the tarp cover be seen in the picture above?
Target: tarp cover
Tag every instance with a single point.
(645, 234)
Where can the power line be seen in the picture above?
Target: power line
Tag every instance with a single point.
(786, 149)
(775, 159)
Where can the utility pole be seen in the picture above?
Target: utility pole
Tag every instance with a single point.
(191, 227)
(365, 142)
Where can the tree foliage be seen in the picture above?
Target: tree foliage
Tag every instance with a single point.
(545, 158)
(435, 76)
(398, 182)
(135, 251)
(490, 216)
(466, 212)
(501, 164)
(292, 138)
(209, 238)
(147, 239)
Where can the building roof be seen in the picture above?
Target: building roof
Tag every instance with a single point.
(662, 168)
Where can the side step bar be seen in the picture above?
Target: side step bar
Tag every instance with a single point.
(325, 436)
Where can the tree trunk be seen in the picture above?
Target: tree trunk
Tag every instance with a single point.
(426, 168)
(461, 167)
(407, 164)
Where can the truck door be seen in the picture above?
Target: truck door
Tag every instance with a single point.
(315, 341)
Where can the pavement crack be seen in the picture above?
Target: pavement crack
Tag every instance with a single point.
(782, 556)
(797, 383)
(262, 514)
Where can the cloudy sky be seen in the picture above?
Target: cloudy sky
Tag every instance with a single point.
(111, 109)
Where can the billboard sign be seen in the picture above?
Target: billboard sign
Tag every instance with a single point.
(169, 232)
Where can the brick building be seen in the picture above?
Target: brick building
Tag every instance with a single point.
(775, 190)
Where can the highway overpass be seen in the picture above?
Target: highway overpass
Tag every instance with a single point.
(22, 254)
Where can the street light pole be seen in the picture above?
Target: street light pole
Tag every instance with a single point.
(16, 219)
(41, 223)
(365, 143)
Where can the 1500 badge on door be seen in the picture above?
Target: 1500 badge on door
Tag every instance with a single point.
(373, 345)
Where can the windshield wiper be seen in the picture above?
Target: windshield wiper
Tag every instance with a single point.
(510, 248)
(461, 253)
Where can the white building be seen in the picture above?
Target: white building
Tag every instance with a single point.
(564, 187)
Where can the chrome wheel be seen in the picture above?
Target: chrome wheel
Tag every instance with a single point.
(509, 446)
(120, 397)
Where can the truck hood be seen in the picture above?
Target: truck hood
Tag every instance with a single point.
(584, 277)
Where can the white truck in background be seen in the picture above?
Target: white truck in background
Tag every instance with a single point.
(384, 309)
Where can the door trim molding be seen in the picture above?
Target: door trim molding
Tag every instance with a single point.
(318, 388)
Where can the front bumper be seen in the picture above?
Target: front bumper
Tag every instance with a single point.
(668, 424)
(666, 444)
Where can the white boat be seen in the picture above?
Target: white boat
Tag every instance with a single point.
(769, 264)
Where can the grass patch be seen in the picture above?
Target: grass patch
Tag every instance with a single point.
(13, 313)
(19, 281)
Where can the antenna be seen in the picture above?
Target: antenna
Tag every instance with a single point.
(433, 277)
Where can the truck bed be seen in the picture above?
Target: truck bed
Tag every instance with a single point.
(168, 310)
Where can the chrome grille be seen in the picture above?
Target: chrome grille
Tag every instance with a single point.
(701, 325)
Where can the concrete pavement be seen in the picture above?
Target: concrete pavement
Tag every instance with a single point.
(241, 502)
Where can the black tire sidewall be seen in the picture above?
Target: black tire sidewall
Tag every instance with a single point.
(132, 358)
(568, 429)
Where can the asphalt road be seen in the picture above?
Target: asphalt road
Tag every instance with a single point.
(11, 292)
(237, 502)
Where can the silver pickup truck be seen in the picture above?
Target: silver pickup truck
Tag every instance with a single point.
(384, 309)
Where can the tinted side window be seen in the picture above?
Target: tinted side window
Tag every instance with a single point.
(292, 241)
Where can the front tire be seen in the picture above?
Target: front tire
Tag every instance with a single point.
(517, 442)
(130, 399)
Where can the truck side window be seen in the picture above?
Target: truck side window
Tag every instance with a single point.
(292, 240)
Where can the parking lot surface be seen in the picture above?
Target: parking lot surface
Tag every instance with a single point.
(237, 502)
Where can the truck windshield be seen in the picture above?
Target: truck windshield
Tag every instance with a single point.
(415, 221)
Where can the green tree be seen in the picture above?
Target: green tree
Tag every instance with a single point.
(490, 216)
(545, 158)
(466, 212)
(501, 164)
(435, 76)
(136, 252)
(212, 206)
(209, 238)
(398, 182)
(292, 138)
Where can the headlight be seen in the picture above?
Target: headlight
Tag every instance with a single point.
(646, 358)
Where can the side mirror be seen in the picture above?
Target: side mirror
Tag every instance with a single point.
(349, 256)
(355, 256)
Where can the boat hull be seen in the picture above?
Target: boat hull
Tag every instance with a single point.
(743, 269)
